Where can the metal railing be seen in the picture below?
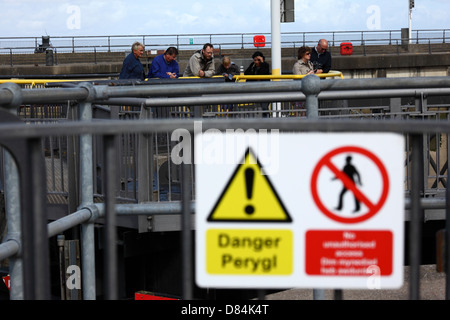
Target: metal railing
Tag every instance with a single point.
(31, 237)
(53, 49)
(226, 40)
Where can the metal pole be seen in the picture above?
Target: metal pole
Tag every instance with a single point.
(111, 274)
(13, 209)
(62, 267)
(186, 235)
(276, 43)
(447, 231)
(40, 257)
(409, 21)
(311, 89)
(87, 198)
(417, 214)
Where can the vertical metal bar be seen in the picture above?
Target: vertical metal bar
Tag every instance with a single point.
(40, 256)
(145, 172)
(111, 274)
(62, 266)
(311, 88)
(71, 259)
(447, 229)
(186, 234)
(415, 232)
(13, 209)
(87, 198)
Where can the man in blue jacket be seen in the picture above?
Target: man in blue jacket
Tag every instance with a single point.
(165, 65)
(132, 67)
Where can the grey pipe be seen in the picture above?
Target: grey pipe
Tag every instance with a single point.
(87, 198)
(13, 217)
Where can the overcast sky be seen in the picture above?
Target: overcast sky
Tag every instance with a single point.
(159, 17)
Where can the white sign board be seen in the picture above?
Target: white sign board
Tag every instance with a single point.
(312, 210)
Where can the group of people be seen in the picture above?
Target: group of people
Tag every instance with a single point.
(201, 63)
(313, 60)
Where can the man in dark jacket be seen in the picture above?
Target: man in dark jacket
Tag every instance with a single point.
(321, 57)
(132, 67)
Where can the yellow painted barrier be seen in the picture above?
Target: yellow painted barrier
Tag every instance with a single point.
(236, 78)
(331, 74)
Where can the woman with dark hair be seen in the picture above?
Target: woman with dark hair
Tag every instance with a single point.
(259, 66)
(303, 65)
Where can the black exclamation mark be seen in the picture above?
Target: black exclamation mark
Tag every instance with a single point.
(249, 176)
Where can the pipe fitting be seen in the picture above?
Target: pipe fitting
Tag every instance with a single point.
(93, 209)
(14, 237)
(16, 92)
(90, 88)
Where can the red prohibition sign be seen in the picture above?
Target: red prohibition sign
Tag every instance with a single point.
(325, 162)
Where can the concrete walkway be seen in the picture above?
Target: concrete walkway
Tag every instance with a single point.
(432, 287)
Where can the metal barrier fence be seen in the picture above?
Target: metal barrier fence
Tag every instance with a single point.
(230, 40)
(116, 144)
(56, 50)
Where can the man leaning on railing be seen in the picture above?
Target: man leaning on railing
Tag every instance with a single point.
(201, 63)
(132, 67)
(321, 57)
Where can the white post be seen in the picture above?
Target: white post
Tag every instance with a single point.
(276, 42)
(409, 27)
(410, 8)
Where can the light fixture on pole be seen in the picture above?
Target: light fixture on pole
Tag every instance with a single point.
(411, 6)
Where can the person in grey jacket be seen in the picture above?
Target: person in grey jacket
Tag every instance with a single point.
(201, 63)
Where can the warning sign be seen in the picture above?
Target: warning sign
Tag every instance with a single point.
(250, 252)
(365, 204)
(348, 253)
(305, 210)
(249, 196)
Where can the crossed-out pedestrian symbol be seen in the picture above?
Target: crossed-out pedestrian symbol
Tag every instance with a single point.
(350, 177)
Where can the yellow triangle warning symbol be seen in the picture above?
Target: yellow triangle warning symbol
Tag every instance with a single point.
(249, 196)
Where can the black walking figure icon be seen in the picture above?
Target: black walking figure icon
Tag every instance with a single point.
(351, 172)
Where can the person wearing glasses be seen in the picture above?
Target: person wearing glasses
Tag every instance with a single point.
(304, 64)
(201, 63)
(321, 57)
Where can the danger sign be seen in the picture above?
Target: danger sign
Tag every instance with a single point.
(251, 252)
(351, 179)
(305, 210)
(249, 196)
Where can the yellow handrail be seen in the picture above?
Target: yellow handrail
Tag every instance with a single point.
(330, 74)
(34, 82)
(237, 78)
